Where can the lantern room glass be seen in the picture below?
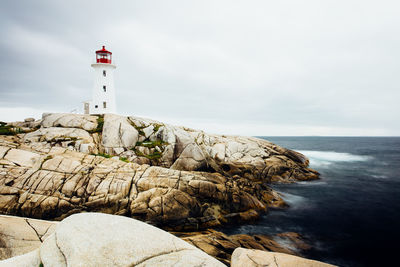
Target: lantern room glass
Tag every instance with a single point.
(103, 58)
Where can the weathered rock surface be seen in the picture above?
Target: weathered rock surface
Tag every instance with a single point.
(191, 180)
(221, 246)
(22, 235)
(254, 258)
(94, 239)
(118, 134)
(27, 124)
(62, 182)
(66, 120)
(147, 141)
(56, 134)
(31, 259)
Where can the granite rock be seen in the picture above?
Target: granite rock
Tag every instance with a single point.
(22, 235)
(254, 258)
(176, 177)
(95, 239)
(66, 120)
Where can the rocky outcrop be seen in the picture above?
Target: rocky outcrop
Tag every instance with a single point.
(254, 258)
(23, 235)
(93, 239)
(221, 246)
(192, 180)
(65, 120)
(56, 134)
(60, 182)
(147, 141)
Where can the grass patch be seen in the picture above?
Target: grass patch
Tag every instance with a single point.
(124, 159)
(156, 155)
(100, 124)
(47, 158)
(156, 127)
(138, 128)
(104, 155)
(152, 144)
(9, 130)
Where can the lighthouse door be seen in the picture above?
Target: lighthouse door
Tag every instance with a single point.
(86, 107)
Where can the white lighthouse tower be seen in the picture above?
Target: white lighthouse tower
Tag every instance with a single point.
(103, 96)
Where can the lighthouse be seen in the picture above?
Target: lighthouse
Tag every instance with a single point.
(103, 95)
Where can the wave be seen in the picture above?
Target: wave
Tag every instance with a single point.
(286, 243)
(294, 201)
(312, 183)
(379, 176)
(323, 158)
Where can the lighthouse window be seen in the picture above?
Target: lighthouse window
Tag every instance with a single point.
(104, 73)
(104, 88)
(104, 104)
(96, 106)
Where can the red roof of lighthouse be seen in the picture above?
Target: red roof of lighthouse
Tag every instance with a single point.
(103, 50)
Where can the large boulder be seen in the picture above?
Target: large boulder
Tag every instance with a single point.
(66, 120)
(118, 134)
(31, 259)
(75, 139)
(22, 235)
(18, 157)
(94, 239)
(54, 134)
(77, 240)
(254, 258)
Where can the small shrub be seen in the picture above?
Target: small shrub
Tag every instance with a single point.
(157, 126)
(124, 159)
(152, 144)
(9, 130)
(156, 155)
(138, 128)
(100, 124)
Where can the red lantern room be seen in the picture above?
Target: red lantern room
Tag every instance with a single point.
(103, 56)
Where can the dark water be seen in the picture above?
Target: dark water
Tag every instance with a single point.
(352, 214)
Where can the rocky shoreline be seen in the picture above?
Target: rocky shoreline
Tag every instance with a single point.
(97, 239)
(175, 178)
(21, 235)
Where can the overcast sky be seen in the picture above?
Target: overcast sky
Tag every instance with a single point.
(235, 67)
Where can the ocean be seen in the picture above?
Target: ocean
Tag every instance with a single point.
(351, 216)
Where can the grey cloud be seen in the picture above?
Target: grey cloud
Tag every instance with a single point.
(327, 65)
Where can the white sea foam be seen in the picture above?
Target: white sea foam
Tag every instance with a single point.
(379, 176)
(286, 243)
(312, 183)
(292, 200)
(324, 158)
